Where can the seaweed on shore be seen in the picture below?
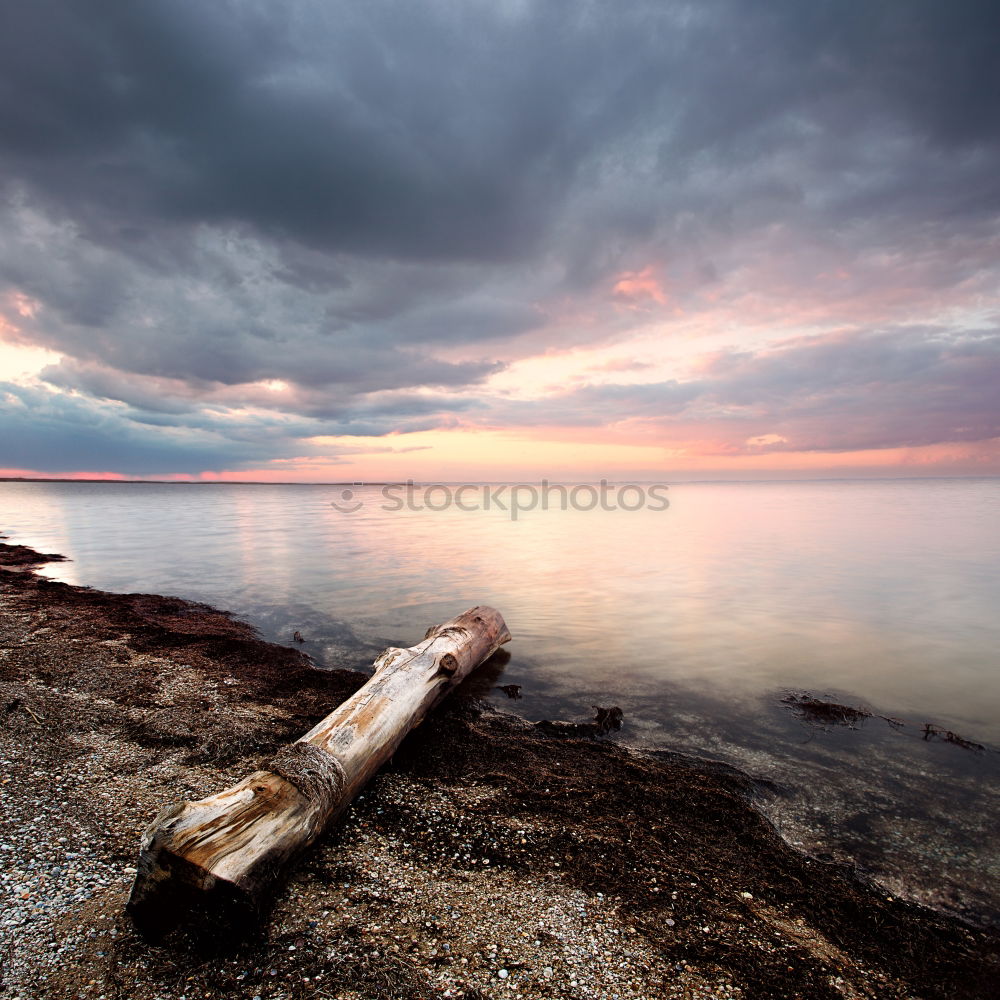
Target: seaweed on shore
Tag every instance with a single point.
(20, 556)
(606, 720)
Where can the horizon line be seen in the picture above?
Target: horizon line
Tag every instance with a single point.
(480, 482)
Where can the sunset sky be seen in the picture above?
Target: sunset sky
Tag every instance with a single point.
(499, 239)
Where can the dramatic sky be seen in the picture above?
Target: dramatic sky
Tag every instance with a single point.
(450, 239)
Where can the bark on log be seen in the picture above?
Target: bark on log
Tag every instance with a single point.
(214, 863)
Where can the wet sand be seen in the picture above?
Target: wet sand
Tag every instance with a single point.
(491, 858)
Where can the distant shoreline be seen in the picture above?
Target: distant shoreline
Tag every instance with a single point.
(186, 482)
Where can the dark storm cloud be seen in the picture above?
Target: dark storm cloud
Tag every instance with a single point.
(416, 130)
(338, 194)
(931, 65)
(226, 317)
(435, 130)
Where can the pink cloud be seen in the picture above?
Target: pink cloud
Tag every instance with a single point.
(638, 288)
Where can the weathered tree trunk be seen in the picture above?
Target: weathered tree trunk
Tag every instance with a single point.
(217, 861)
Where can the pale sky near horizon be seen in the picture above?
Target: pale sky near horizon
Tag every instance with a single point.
(326, 241)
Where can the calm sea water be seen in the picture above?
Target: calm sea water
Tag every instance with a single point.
(696, 620)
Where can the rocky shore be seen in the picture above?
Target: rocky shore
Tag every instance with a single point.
(490, 859)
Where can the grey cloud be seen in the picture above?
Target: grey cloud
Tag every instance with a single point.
(77, 433)
(227, 318)
(70, 434)
(907, 387)
(292, 413)
(842, 392)
(104, 383)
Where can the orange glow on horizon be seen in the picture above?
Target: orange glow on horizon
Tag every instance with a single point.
(505, 455)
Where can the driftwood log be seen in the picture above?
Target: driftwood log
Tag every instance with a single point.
(215, 863)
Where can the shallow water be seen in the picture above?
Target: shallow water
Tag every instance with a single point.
(696, 620)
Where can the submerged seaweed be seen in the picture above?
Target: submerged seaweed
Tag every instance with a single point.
(826, 713)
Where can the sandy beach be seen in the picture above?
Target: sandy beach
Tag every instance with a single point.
(491, 858)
